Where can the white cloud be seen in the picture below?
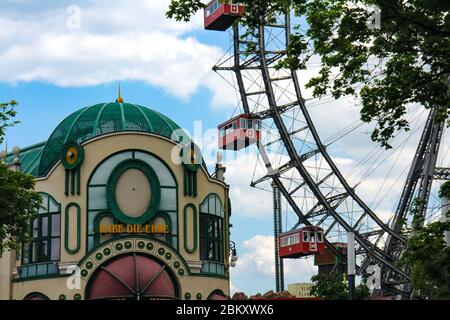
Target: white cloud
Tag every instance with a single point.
(246, 200)
(127, 40)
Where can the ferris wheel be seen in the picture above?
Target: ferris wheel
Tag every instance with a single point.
(296, 163)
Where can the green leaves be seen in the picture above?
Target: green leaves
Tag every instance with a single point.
(18, 200)
(329, 287)
(444, 191)
(428, 257)
(7, 112)
(334, 287)
(183, 10)
(18, 204)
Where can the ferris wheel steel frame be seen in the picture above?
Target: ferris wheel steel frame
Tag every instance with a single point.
(262, 61)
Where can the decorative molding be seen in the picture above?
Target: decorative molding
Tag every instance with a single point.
(67, 226)
(195, 231)
(154, 185)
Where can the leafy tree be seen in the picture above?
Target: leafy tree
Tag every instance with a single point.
(329, 287)
(7, 113)
(334, 287)
(403, 61)
(18, 204)
(18, 200)
(427, 256)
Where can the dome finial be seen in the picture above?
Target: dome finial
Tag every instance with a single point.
(119, 99)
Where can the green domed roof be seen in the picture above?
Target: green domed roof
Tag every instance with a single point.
(105, 118)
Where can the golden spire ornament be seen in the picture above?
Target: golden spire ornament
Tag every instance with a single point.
(119, 99)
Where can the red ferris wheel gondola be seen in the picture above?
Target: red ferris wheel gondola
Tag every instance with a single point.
(220, 16)
(301, 242)
(239, 132)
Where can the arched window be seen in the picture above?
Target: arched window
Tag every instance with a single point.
(45, 245)
(211, 229)
(36, 296)
(101, 191)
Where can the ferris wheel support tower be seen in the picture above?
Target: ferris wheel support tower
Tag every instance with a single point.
(333, 204)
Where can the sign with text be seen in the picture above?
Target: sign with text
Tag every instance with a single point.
(133, 228)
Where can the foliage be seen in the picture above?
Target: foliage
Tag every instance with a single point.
(182, 10)
(7, 112)
(329, 287)
(18, 200)
(333, 287)
(428, 257)
(18, 204)
(403, 62)
(444, 191)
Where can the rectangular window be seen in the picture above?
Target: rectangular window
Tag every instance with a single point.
(212, 7)
(243, 123)
(319, 236)
(313, 236)
(305, 236)
(46, 239)
(211, 238)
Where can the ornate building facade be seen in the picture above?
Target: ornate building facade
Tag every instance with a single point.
(129, 212)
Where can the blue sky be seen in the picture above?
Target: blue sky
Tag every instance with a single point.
(59, 56)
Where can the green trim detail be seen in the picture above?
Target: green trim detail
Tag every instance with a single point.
(97, 119)
(122, 113)
(144, 115)
(66, 183)
(175, 239)
(199, 296)
(45, 276)
(77, 296)
(78, 182)
(187, 296)
(190, 183)
(66, 228)
(62, 297)
(72, 182)
(210, 275)
(154, 184)
(186, 245)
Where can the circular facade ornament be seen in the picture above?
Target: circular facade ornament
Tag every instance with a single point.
(72, 156)
(133, 192)
(191, 156)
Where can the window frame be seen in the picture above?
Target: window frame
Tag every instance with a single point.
(212, 237)
(33, 252)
